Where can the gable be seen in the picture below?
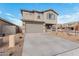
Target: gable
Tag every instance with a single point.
(52, 11)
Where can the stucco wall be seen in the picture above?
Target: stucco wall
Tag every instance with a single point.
(51, 21)
(7, 29)
(28, 16)
(43, 17)
(39, 14)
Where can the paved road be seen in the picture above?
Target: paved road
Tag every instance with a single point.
(44, 44)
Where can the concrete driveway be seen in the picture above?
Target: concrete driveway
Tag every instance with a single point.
(44, 44)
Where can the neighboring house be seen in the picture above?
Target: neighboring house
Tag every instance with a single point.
(11, 39)
(7, 28)
(59, 26)
(71, 26)
(39, 21)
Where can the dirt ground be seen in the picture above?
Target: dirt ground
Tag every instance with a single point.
(14, 51)
(67, 36)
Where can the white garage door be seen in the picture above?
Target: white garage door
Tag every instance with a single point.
(34, 27)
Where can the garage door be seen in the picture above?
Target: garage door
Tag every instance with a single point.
(33, 27)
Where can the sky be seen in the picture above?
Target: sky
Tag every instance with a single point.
(68, 12)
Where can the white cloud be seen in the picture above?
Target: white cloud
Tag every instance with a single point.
(15, 20)
(11, 15)
(68, 18)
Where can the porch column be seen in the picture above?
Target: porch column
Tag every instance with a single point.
(44, 29)
(56, 28)
(24, 27)
(11, 40)
(75, 28)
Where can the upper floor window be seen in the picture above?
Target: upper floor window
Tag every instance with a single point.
(38, 17)
(51, 16)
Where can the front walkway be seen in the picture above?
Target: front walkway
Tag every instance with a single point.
(44, 44)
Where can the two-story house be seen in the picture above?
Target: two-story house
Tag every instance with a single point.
(39, 21)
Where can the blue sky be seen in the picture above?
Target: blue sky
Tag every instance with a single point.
(68, 12)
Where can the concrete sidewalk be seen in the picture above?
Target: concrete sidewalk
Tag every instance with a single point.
(73, 52)
(44, 44)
